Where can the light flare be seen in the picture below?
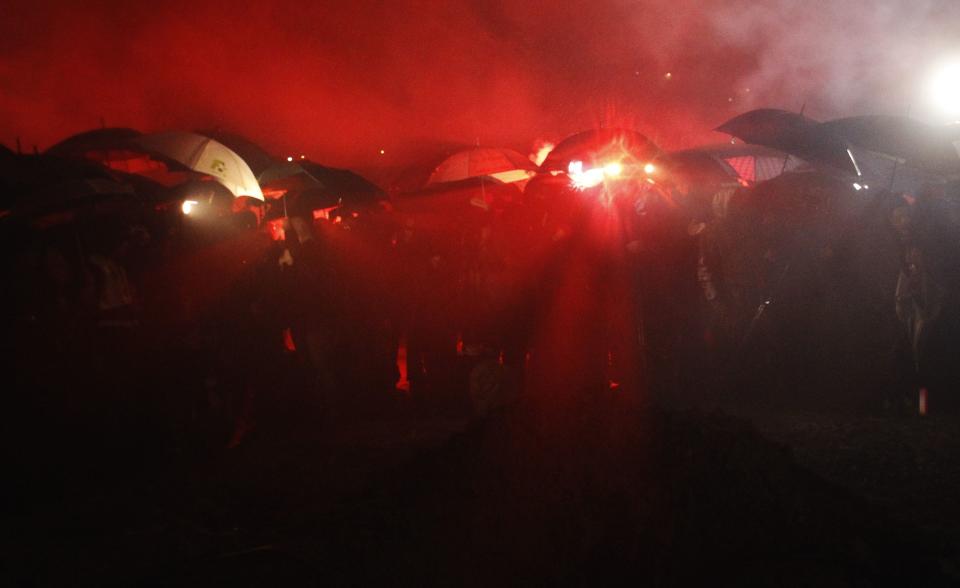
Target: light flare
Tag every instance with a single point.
(613, 169)
(188, 206)
(945, 89)
(584, 179)
(543, 149)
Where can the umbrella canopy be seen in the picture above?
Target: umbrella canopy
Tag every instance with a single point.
(753, 163)
(445, 209)
(596, 146)
(917, 144)
(505, 165)
(336, 184)
(29, 172)
(207, 156)
(96, 140)
(791, 133)
(801, 197)
(66, 201)
(254, 155)
(310, 186)
(697, 168)
(119, 150)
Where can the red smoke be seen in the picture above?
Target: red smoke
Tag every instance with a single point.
(341, 81)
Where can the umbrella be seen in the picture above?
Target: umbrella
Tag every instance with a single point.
(119, 150)
(316, 186)
(917, 144)
(597, 146)
(95, 141)
(66, 201)
(791, 133)
(505, 165)
(207, 156)
(454, 199)
(806, 195)
(256, 156)
(753, 163)
(698, 168)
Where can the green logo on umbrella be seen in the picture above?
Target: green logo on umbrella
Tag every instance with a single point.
(218, 166)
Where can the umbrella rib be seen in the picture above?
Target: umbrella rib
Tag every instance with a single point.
(197, 152)
(853, 160)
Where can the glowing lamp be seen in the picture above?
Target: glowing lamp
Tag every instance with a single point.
(945, 89)
(613, 169)
(188, 206)
(289, 158)
(583, 179)
(649, 168)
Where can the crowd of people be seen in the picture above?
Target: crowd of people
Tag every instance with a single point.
(127, 316)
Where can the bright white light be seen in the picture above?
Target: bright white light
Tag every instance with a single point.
(613, 169)
(188, 206)
(584, 179)
(289, 158)
(649, 168)
(945, 89)
(857, 186)
(543, 149)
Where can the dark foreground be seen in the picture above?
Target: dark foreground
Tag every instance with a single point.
(596, 494)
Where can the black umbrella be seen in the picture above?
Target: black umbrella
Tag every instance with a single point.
(791, 133)
(800, 197)
(110, 139)
(917, 144)
(697, 168)
(311, 186)
(596, 146)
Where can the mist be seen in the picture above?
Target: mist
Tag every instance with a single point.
(340, 82)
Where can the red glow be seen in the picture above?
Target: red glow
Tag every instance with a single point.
(277, 231)
(273, 193)
(403, 384)
(288, 343)
(323, 213)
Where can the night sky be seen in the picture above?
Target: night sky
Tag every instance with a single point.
(339, 81)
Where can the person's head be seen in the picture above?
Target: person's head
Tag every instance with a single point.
(901, 220)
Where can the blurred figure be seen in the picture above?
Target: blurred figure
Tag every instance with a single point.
(314, 301)
(430, 293)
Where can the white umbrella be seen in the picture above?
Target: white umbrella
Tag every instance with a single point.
(206, 156)
(505, 165)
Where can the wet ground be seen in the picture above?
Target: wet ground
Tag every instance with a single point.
(908, 465)
(308, 505)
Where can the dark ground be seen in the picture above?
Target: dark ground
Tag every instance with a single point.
(759, 498)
